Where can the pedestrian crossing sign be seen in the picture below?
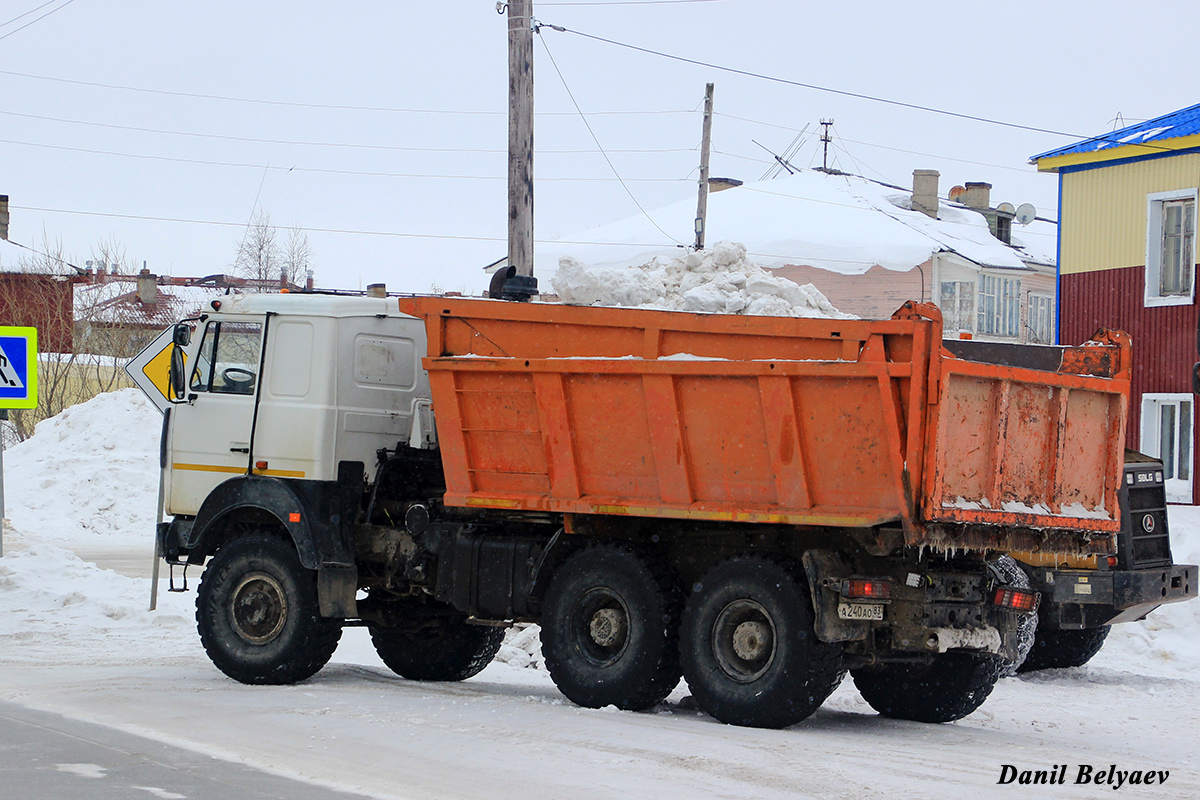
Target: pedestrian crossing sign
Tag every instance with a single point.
(18, 367)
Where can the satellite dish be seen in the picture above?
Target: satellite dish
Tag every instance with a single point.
(1006, 208)
(1026, 213)
(957, 192)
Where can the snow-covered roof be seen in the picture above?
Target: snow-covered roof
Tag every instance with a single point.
(116, 302)
(842, 223)
(1184, 122)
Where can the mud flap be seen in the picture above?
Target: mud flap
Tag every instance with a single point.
(337, 585)
(825, 569)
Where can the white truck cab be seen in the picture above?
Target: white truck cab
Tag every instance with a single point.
(291, 385)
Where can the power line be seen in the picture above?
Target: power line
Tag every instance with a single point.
(815, 87)
(628, 3)
(588, 125)
(350, 145)
(322, 106)
(319, 170)
(348, 231)
(33, 21)
(27, 13)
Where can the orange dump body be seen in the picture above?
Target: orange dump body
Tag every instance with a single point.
(849, 423)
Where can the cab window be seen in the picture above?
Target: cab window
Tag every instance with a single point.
(227, 362)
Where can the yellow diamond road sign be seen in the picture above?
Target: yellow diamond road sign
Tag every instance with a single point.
(18, 367)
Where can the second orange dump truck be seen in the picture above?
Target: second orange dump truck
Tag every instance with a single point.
(757, 504)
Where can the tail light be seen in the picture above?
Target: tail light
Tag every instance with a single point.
(1016, 599)
(873, 588)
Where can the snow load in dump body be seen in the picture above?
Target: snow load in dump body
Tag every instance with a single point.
(854, 423)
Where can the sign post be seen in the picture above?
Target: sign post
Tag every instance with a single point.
(18, 385)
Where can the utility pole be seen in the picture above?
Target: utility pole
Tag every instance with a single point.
(705, 141)
(825, 138)
(520, 138)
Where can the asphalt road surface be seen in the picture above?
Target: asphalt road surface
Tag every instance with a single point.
(48, 757)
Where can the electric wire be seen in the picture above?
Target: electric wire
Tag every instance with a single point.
(308, 229)
(845, 93)
(326, 106)
(319, 170)
(348, 145)
(27, 13)
(33, 21)
(588, 125)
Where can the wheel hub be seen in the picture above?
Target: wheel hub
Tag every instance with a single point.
(751, 640)
(607, 627)
(743, 640)
(258, 608)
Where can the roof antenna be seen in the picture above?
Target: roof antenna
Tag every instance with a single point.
(782, 161)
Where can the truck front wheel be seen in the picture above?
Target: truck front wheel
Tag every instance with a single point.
(256, 610)
(750, 654)
(610, 628)
(433, 642)
(952, 686)
(1055, 649)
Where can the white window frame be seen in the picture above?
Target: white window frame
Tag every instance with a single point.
(964, 315)
(1040, 309)
(1179, 489)
(1002, 320)
(1155, 205)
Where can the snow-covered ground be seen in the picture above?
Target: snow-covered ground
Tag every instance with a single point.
(77, 639)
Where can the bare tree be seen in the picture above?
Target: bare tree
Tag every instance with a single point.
(258, 255)
(297, 256)
(76, 363)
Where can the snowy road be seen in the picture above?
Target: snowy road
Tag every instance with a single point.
(77, 640)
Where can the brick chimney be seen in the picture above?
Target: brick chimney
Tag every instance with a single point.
(147, 287)
(3, 216)
(925, 191)
(978, 196)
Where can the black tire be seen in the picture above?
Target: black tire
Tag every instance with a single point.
(749, 651)
(433, 642)
(610, 628)
(1027, 624)
(1059, 649)
(950, 688)
(257, 613)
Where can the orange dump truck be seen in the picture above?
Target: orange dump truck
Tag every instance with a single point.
(756, 503)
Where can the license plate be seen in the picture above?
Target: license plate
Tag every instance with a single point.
(870, 611)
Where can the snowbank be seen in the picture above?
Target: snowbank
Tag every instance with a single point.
(88, 474)
(719, 280)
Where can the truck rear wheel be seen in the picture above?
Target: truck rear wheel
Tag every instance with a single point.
(435, 643)
(257, 613)
(950, 688)
(610, 628)
(1056, 649)
(749, 651)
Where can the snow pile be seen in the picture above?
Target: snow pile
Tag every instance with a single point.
(92, 471)
(58, 608)
(1165, 643)
(522, 647)
(719, 280)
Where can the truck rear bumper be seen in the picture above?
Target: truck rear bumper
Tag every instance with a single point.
(1076, 599)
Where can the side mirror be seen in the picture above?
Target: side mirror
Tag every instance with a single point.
(182, 335)
(178, 385)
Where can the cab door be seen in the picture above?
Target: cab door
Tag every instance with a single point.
(210, 433)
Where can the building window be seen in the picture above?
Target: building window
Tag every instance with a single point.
(1167, 434)
(957, 300)
(1171, 248)
(999, 306)
(1041, 319)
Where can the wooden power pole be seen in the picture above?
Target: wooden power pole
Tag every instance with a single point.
(705, 141)
(520, 136)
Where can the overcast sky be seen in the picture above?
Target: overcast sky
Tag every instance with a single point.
(381, 128)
